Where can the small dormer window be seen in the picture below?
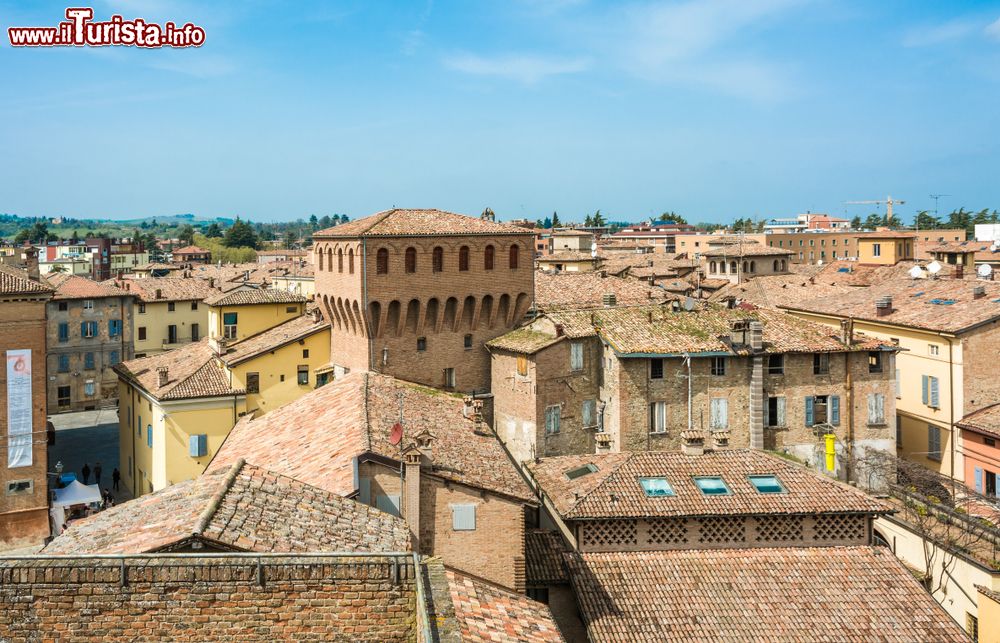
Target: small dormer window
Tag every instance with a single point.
(767, 484)
(656, 487)
(712, 486)
(579, 472)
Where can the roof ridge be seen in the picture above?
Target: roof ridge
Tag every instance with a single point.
(170, 387)
(213, 504)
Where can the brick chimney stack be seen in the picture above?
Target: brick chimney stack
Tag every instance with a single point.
(756, 336)
(412, 459)
(883, 306)
(31, 263)
(959, 271)
(979, 292)
(693, 442)
(163, 375)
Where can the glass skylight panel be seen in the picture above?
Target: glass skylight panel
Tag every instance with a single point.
(579, 472)
(767, 484)
(712, 486)
(656, 487)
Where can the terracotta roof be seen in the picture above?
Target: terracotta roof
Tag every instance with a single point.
(916, 303)
(316, 437)
(568, 256)
(190, 250)
(273, 338)
(572, 233)
(170, 289)
(400, 222)
(16, 282)
(192, 372)
(855, 594)
(282, 253)
(157, 266)
(523, 340)
(772, 291)
(489, 614)
(251, 296)
(985, 420)
(655, 330)
(76, 287)
(887, 234)
(543, 557)
(576, 290)
(745, 249)
(613, 490)
(542, 332)
(243, 507)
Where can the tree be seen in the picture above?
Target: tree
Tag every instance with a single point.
(926, 221)
(74, 238)
(588, 221)
(598, 219)
(959, 219)
(856, 223)
(555, 221)
(213, 231)
(186, 234)
(873, 221)
(672, 217)
(313, 221)
(38, 233)
(326, 222)
(291, 239)
(240, 235)
(57, 268)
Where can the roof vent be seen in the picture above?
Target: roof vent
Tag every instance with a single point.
(739, 334)
(883, 306)
(163, 376)
(979, 292)
(609, 300)
(693, 442)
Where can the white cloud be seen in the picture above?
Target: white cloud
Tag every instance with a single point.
(993, 30)
(523, 68)
(929, 35)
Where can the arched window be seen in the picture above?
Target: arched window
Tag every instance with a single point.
(438, 259)
(776, 265)
(321, 259)
(746, 267)
(329, 259)
(382, 262)
(488, 258)
(340, 260)
(753, 266)
(712, 267)
(463, 258)
(350, 261)
(782, 264)
(411, 259)
(722, 267)
(734, 267)
(513, 257)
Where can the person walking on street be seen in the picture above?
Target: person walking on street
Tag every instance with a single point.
(97, 474)
(86, 473)
(115, 477)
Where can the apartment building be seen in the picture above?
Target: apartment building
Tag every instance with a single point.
(247, 311)
(89, 332)
(169, 312)
(980, 431)
(947, 331)
(191, 255)
(811, 247)
(417, 293)
(740, 261)
(634, 378)
(24, 505)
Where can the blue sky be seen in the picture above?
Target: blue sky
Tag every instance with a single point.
(715, 109)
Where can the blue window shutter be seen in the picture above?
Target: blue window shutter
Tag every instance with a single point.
(935, 401)
(83, 329)
(149, 435)
(979, 480)
(198, 445)
(809, 411)
(835, 410)
(924, 398)
(193, 446)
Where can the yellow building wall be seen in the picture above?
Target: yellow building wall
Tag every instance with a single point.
(283, 361)
(214, 418)
(305, 287)
(252, 319)
(918, 358)
(158, 317)
(989, 619)
(891, 250)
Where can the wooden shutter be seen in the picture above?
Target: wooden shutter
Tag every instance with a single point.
(781, 412)
(463, 517)
(979, 480)
(835, 410)
(924, 388)
(809, 410)
(935, 401)
(719, 413)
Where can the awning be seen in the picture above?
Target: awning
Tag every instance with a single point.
(77, 493)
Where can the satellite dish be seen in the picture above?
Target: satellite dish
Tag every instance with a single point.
(593, 249)
(819, 262)
(933, 267)
(916, 272)
(985, 270)
(397, 434)
(688, 304)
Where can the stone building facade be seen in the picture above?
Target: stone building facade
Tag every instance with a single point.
(417, 293)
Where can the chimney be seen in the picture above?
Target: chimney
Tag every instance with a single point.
(31, 263)
(979, 292)
(883, 306)
(756, 336)
(315, 314)
(692, 442)
(604, 274)
(847, 331)
(211, 282)
(609, 300)
(218, 344)
(159, 293)
(720, 440)
(412, 459)
(959, 271)
(739, 333)
(559, 330)
(163, 376)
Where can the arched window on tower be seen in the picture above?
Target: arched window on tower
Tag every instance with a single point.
(514, 257)
(488, 258)
(712, 267)
(321, 251)
(340, 260)
(438, 259)
(350, 261)
(411, 259)
(382, 262)
(463, 258)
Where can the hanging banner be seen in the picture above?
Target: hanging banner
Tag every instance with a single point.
(19, 414)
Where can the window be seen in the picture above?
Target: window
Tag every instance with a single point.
(876, 249)
(89, 388)
(656, 487)
(303, 373)
(411, 259)
(63, 332)
(114, 327)
(899, 432)
(340, 260)
(822, 409)
(449, 378)
(350, 261)
(933, 442)
(198, 445)
(579, 472)
(63, 396)
(142, 308)
(990, 442)
(382, 262)
(149, 435)
(194, 305)
(488, 256)
(656, 369)
(766, 484)
(253, 382)
(522, 365)
(821, 364)
(718, 366)
(972, 626)
(437, 259)
(88, 304)
(775, 412)
(305, 353)
(113, 358)
(463, 517)
(514, 250)
(929, 391)
(291, 309)
(195, 333)
(933, 349)
(719, 413)
(172, 334)
(712, 486)
(88, 361)
(142, 332)
(658, 417)
(553, 415)
(776, 365)
(171, 306)
(229, 322)
(576, 356)
(467, 342)
(88, 329)
(63, 305)
(20, 487)
(875, 362)
(463, 258)
(421, 344)
(876, 409)
(588, 413)
(64, 363)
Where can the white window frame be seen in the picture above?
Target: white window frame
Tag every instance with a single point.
(88, 304)
(576, 356)
(658, 417)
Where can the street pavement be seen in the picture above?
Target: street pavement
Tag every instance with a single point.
(87, 437)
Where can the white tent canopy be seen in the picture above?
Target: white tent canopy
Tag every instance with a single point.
(77, 493)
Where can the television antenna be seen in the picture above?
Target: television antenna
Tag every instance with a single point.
(936, 197)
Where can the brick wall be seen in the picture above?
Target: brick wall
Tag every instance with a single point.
(197, 599)
(981, 387)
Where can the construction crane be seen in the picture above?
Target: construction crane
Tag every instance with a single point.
(888, 201)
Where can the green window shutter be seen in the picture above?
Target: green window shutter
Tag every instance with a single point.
(809, 411)
(781, 412)
(924, 389)
(835, 410)
(935, 400)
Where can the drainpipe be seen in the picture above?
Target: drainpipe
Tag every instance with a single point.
(687, 358)
(951, 412)
(131, 389)
(849, 389)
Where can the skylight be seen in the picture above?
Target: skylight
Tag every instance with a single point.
(579, 472)
(943, 302)
(712, 486)
(917, 294)
(767, 484)
(656, 487)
